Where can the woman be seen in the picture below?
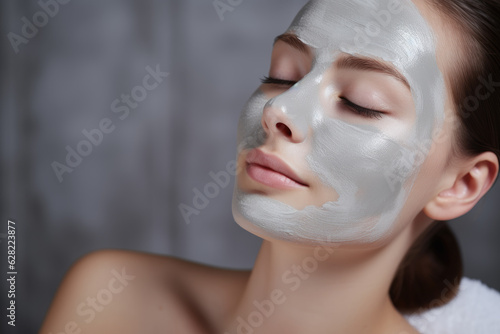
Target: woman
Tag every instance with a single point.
(364, 137)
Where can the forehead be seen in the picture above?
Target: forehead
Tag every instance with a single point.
(393, 30)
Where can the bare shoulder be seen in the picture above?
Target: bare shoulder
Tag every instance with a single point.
(112, 291)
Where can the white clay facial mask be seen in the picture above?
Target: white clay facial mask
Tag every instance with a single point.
(371, 166)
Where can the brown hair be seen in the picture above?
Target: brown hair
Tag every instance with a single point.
(431, 271)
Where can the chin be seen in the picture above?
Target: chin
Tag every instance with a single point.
(276, 221)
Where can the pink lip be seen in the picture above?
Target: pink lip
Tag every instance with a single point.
(271, 171)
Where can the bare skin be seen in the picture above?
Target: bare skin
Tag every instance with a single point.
(292, 288)
(163, 295)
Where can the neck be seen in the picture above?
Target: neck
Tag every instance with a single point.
(320, 289)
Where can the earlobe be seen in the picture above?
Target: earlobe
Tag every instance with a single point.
(468, 187)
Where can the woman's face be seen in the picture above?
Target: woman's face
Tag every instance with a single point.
(331, 144)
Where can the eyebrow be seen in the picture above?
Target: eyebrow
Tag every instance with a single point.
(348, 61)
(293, 41)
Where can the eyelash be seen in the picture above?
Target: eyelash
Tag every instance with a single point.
(275, 81)
(361, 110)
(354, 107)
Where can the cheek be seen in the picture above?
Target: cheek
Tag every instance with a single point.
(250, 131)
(364, 167)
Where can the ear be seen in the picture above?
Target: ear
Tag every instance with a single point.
(467, 186)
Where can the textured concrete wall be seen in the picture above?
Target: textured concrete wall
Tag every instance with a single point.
(126, 192)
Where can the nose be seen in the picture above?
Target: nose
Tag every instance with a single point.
(292, 114)
(276, 121)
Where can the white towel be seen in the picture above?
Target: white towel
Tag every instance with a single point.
(475, 310)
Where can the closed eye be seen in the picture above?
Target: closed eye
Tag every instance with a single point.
(361, 110)
(366, 112)
(276, 81)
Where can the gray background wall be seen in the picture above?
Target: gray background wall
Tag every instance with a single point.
(126, 193)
